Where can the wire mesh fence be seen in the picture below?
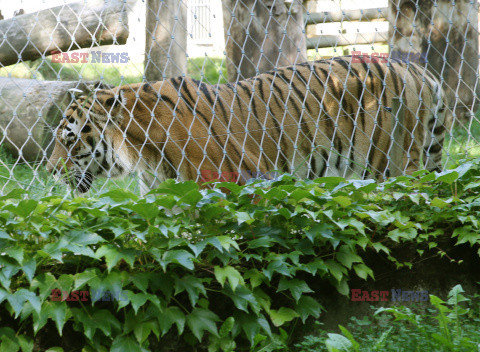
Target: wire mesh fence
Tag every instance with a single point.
(209, 90)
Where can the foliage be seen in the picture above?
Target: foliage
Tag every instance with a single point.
(223, 271)
(448, 326)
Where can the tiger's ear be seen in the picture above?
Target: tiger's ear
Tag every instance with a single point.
(75, 93)
(98, 85)
(84, 89)
(109, 105)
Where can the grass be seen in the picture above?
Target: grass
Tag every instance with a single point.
(464, 141)
(452, 325)
(33, 176)
(211, 70)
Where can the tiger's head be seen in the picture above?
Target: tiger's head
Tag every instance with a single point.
(83, 139)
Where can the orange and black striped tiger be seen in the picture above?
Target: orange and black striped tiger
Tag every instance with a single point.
(328, 117)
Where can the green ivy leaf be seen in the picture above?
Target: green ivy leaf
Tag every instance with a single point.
(16, 193)
(197, 248)
(201, 320)
(233, 275)
(439, 203)
(342, 286)
(26, 343)
(283, 315)
(65, 282)
(29, 266)
(146, 210)
(181, 257)
(25, 207)
(342, 201)
(307, 306)
(113, 282)
(378, 246)
(262, 242)
(8, 344)
(256, 277)
(244, 217)
(9, 268)
(15, 253)
(80, 279)
(93, 319)
(140, 280)
(279, 266)
(125, 344)
(18, 298)
(335, 269)
(114, 254)
(227, 327)
(466, 234)
(295, 286)
(319, 231)
(347, 257)
(170, 316)
(352, 222)
(363, 271)
(57, 311)
(119, 195)
(172, 187)
(45, 282)
(137, 300)
(242, 298)
(3, 295)
(227, 242)
(143, 330)
(406, 234)
(448, 176)
(82, 237)
(193, 285)
(364, 185)
(192, 197)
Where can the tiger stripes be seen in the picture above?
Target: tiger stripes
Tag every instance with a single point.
(323, 118)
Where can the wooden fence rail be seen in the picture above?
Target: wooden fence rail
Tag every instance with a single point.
(326, 41)
(346, 15)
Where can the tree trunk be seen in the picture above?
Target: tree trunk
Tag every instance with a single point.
(166, 39)
(451, 49)
(62, 28)
(262, 35)
(29, 112)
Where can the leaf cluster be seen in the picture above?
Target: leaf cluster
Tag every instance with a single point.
(222, 271)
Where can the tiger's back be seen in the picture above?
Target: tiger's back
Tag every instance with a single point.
(329, 117)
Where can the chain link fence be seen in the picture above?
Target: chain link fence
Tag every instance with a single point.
(52, 52)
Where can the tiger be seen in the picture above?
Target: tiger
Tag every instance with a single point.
(330, 117)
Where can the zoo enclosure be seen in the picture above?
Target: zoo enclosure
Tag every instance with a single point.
(243, 39)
